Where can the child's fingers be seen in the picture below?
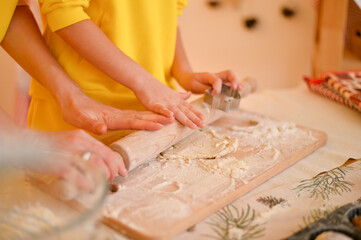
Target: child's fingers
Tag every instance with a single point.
(183, 118)
(229, 76)
(196, 112)
(214, 81)
(191, 115)
(200, 87)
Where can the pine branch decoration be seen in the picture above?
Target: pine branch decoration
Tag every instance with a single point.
(270, 201)
(326, 184)
(232, 224)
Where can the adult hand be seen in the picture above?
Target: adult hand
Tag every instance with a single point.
(78, 142)
(161, 99)
(83, 112)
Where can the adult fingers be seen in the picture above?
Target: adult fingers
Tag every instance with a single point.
(150, 116)
(161, 109)
(81, 142)
(113, 161)
(121, 166)
(97, 161)
(110, 164)
(139, 120)
(98, 128)
(184, 95)
(85, 121)
(93, 125)
(73, 176)
(115, 164)
(153, 117)
(130, 121)
(63, 167)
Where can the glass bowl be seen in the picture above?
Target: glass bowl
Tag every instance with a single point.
(38, 204)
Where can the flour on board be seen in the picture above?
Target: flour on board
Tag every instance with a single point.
(212, 151)
(204, 144)
(209, 149)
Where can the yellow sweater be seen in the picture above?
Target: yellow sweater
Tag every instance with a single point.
(145, 30)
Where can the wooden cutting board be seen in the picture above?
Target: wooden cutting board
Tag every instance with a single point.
(158, 200)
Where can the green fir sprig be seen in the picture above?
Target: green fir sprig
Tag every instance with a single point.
(329, 183)
(232, 224)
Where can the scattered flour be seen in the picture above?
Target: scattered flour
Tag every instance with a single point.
(209, 149)
(258, 136)
(204, 144)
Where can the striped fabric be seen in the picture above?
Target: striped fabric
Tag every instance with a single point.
(347, 84)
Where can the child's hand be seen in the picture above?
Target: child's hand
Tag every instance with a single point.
(199, 82)
(86, 113)
(161, 99)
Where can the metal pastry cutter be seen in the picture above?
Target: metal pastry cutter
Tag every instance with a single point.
(228, 99)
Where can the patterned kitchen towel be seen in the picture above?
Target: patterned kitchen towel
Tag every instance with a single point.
(347, 84)
(318, 86)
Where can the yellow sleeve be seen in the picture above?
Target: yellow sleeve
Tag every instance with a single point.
(7, 8)
(63, 13)
(22, 3)
(181, 4)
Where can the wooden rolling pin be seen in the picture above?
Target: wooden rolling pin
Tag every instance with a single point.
(140, 146)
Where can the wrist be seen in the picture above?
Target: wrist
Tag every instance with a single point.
(140, 83)
(67, 93)
(184, 78)
(181, 72)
